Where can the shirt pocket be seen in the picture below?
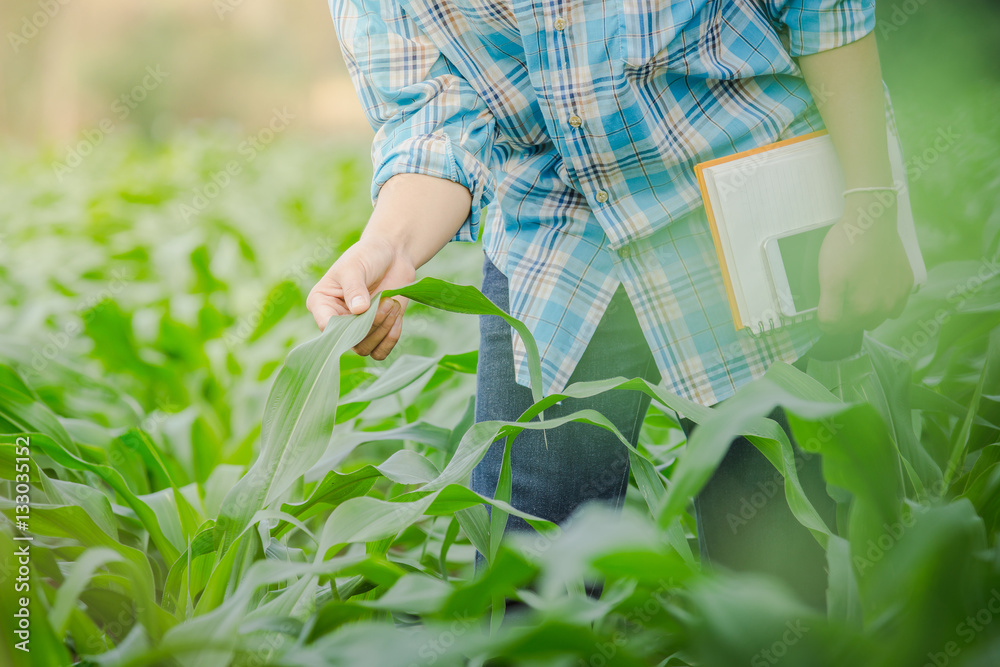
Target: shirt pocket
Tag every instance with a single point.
(713, 39)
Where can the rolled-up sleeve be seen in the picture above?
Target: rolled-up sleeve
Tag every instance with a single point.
(820, 25)
(427, 118)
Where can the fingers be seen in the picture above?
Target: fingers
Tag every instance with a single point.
(845, 307)
(862, 282)
(868, 308)
(330, 297)
(861, 310)
(870, 321)
(385, 318)
(392, 326)
(385, 347)
(367, 267)
(345, 288)
(352, 279)
(322, 304)
(322, 313)
(385, 330)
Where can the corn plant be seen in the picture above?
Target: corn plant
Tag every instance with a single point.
(208, 484)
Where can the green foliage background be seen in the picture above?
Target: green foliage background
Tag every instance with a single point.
(211, 483)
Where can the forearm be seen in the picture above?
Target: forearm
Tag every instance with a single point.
(417, 215)
(846, 84)
(864, 278)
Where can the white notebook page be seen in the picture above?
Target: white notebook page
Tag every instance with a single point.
(795, 187)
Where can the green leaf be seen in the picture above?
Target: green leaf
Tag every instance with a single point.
(298, 422)
(74, 583)
(43, 645)
(150, 521)
(277, 304)
(27, 413)
(961, 440)
(467, 299)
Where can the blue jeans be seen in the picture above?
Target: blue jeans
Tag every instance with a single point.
(743, 519)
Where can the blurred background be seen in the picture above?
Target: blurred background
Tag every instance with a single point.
(66, 62)
(69, 66)
(175, 175)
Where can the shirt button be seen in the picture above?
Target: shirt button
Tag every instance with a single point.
(625, 252)
(601, 196)
(575, 121)
(560, 23)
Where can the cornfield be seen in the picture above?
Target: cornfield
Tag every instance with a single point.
(192, 477)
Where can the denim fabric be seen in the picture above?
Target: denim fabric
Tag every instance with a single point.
(743, 519)
(555, 471)
(745, 524)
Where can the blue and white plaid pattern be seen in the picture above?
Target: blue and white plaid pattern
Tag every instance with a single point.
(577, 124)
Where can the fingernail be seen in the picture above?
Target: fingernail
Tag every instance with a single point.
(357, 302)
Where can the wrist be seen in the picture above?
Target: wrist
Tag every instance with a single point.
(875, 206)
(418, 214)
(393, 241)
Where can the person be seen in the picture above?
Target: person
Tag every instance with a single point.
(571, 127)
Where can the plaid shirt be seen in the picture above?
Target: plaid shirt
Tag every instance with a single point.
(576, 126)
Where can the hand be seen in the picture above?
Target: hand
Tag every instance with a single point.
(864, 272)
(368, 266)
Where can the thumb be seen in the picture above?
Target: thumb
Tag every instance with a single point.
(352, 281)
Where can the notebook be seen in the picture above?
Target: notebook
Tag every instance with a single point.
(790, 185)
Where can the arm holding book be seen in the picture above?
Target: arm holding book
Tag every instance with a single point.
(865, 275)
